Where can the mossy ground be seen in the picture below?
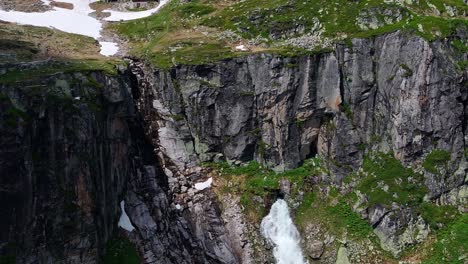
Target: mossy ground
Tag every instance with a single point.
(334, 212)
(252, 181)
(385, 180)
(53, 52)
(19, 43)
(187, 33)
(451, 244)
(54, 67)
(436, 160)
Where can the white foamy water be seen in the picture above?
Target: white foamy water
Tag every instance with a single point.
(278, 228)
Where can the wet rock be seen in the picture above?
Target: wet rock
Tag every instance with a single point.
(315, 249)
(285, 187)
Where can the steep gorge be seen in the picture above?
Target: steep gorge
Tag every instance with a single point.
(74, 145)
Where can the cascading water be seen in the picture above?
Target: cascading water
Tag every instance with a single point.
(278, 228)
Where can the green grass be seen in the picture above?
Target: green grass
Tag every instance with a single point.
(437, 216)
(22, 49)
(404, 186)
(191, 53)
(160, 40)
(347, 110)
(107, 66)
(452, 243)
(460, 45)
(343, 215)
(253, 17)
(119, 250)
(338, 216)
(195, 9)
(185, 33)
(436, 159)
(151, 27)
(258, 176)
(263, 182)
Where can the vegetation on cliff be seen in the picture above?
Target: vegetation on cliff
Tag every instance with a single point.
(337, 210)
(203, 31)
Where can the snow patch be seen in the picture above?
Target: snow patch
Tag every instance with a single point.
(77, 20)
(124, 16)
(124, 221)
(108, 48)
(203, 185)
(242, 48)
(74, 21)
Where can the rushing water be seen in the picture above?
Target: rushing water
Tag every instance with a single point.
(278, 228)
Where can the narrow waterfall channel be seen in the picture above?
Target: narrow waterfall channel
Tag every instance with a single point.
(278, 228)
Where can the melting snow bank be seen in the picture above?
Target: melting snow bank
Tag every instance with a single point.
(124, 221)
(278, 228)
(203, 185)
(122, 16)
(73, 21)
(108, 48)
(76, 21)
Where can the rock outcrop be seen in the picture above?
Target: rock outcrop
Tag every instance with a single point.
(67, 151)
(394, 93)
(72, 147)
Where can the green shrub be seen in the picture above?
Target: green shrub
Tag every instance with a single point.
(437, 215)
(436, 159)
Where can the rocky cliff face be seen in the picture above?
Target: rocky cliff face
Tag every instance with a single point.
(395, 93)
(407, 92)
(74, 145)
(67, 152)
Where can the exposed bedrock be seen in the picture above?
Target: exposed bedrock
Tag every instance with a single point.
(72, 147)
(395, 93)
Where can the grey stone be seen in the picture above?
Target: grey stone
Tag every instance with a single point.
(315, 249)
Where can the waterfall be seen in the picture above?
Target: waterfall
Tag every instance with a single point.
(278, 228)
